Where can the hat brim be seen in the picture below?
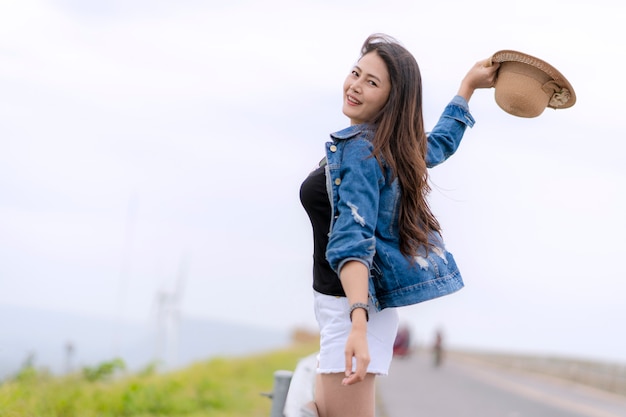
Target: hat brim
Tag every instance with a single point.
(559, 79)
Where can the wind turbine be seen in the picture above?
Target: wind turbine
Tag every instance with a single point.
(168, 318)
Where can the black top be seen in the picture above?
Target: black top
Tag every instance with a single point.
(314, 198)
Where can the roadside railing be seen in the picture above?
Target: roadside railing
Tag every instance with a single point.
(282, 380)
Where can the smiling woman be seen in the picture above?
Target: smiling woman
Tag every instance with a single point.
(371, 221)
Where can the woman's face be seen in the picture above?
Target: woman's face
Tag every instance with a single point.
(366, 89)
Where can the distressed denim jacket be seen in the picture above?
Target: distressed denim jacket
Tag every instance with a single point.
(365, 204)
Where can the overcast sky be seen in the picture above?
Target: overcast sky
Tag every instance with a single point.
(146, 140)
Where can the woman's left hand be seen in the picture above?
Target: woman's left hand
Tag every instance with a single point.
(356, 347)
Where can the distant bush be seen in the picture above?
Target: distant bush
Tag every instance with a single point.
(304, 335)
(103, 371)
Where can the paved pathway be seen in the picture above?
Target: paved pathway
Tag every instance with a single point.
(464, 389)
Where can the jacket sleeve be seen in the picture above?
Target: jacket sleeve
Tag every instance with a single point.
(352, 234)
(445, 138)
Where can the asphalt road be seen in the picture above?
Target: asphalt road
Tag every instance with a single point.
(458, 388)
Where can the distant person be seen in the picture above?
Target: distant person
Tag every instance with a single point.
(377, 245)
(402, 343)
(438, 349)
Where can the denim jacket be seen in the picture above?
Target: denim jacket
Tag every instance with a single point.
(365, 203)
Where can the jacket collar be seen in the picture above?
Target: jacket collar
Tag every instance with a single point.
(352, 131)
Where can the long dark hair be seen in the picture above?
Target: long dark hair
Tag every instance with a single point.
(400, 141)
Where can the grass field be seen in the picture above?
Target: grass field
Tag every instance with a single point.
(219, 387)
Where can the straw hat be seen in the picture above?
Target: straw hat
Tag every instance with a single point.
(527, 85)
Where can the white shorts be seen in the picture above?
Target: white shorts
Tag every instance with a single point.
(333, 316)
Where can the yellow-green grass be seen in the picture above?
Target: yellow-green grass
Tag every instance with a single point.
(219, 387)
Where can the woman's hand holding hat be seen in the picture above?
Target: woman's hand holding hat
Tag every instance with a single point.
(481, 75)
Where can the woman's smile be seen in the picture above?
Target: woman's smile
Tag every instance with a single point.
(352, 101)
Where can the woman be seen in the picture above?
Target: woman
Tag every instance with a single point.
(374, 233)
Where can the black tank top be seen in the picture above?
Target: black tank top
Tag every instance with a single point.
(314, 199)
